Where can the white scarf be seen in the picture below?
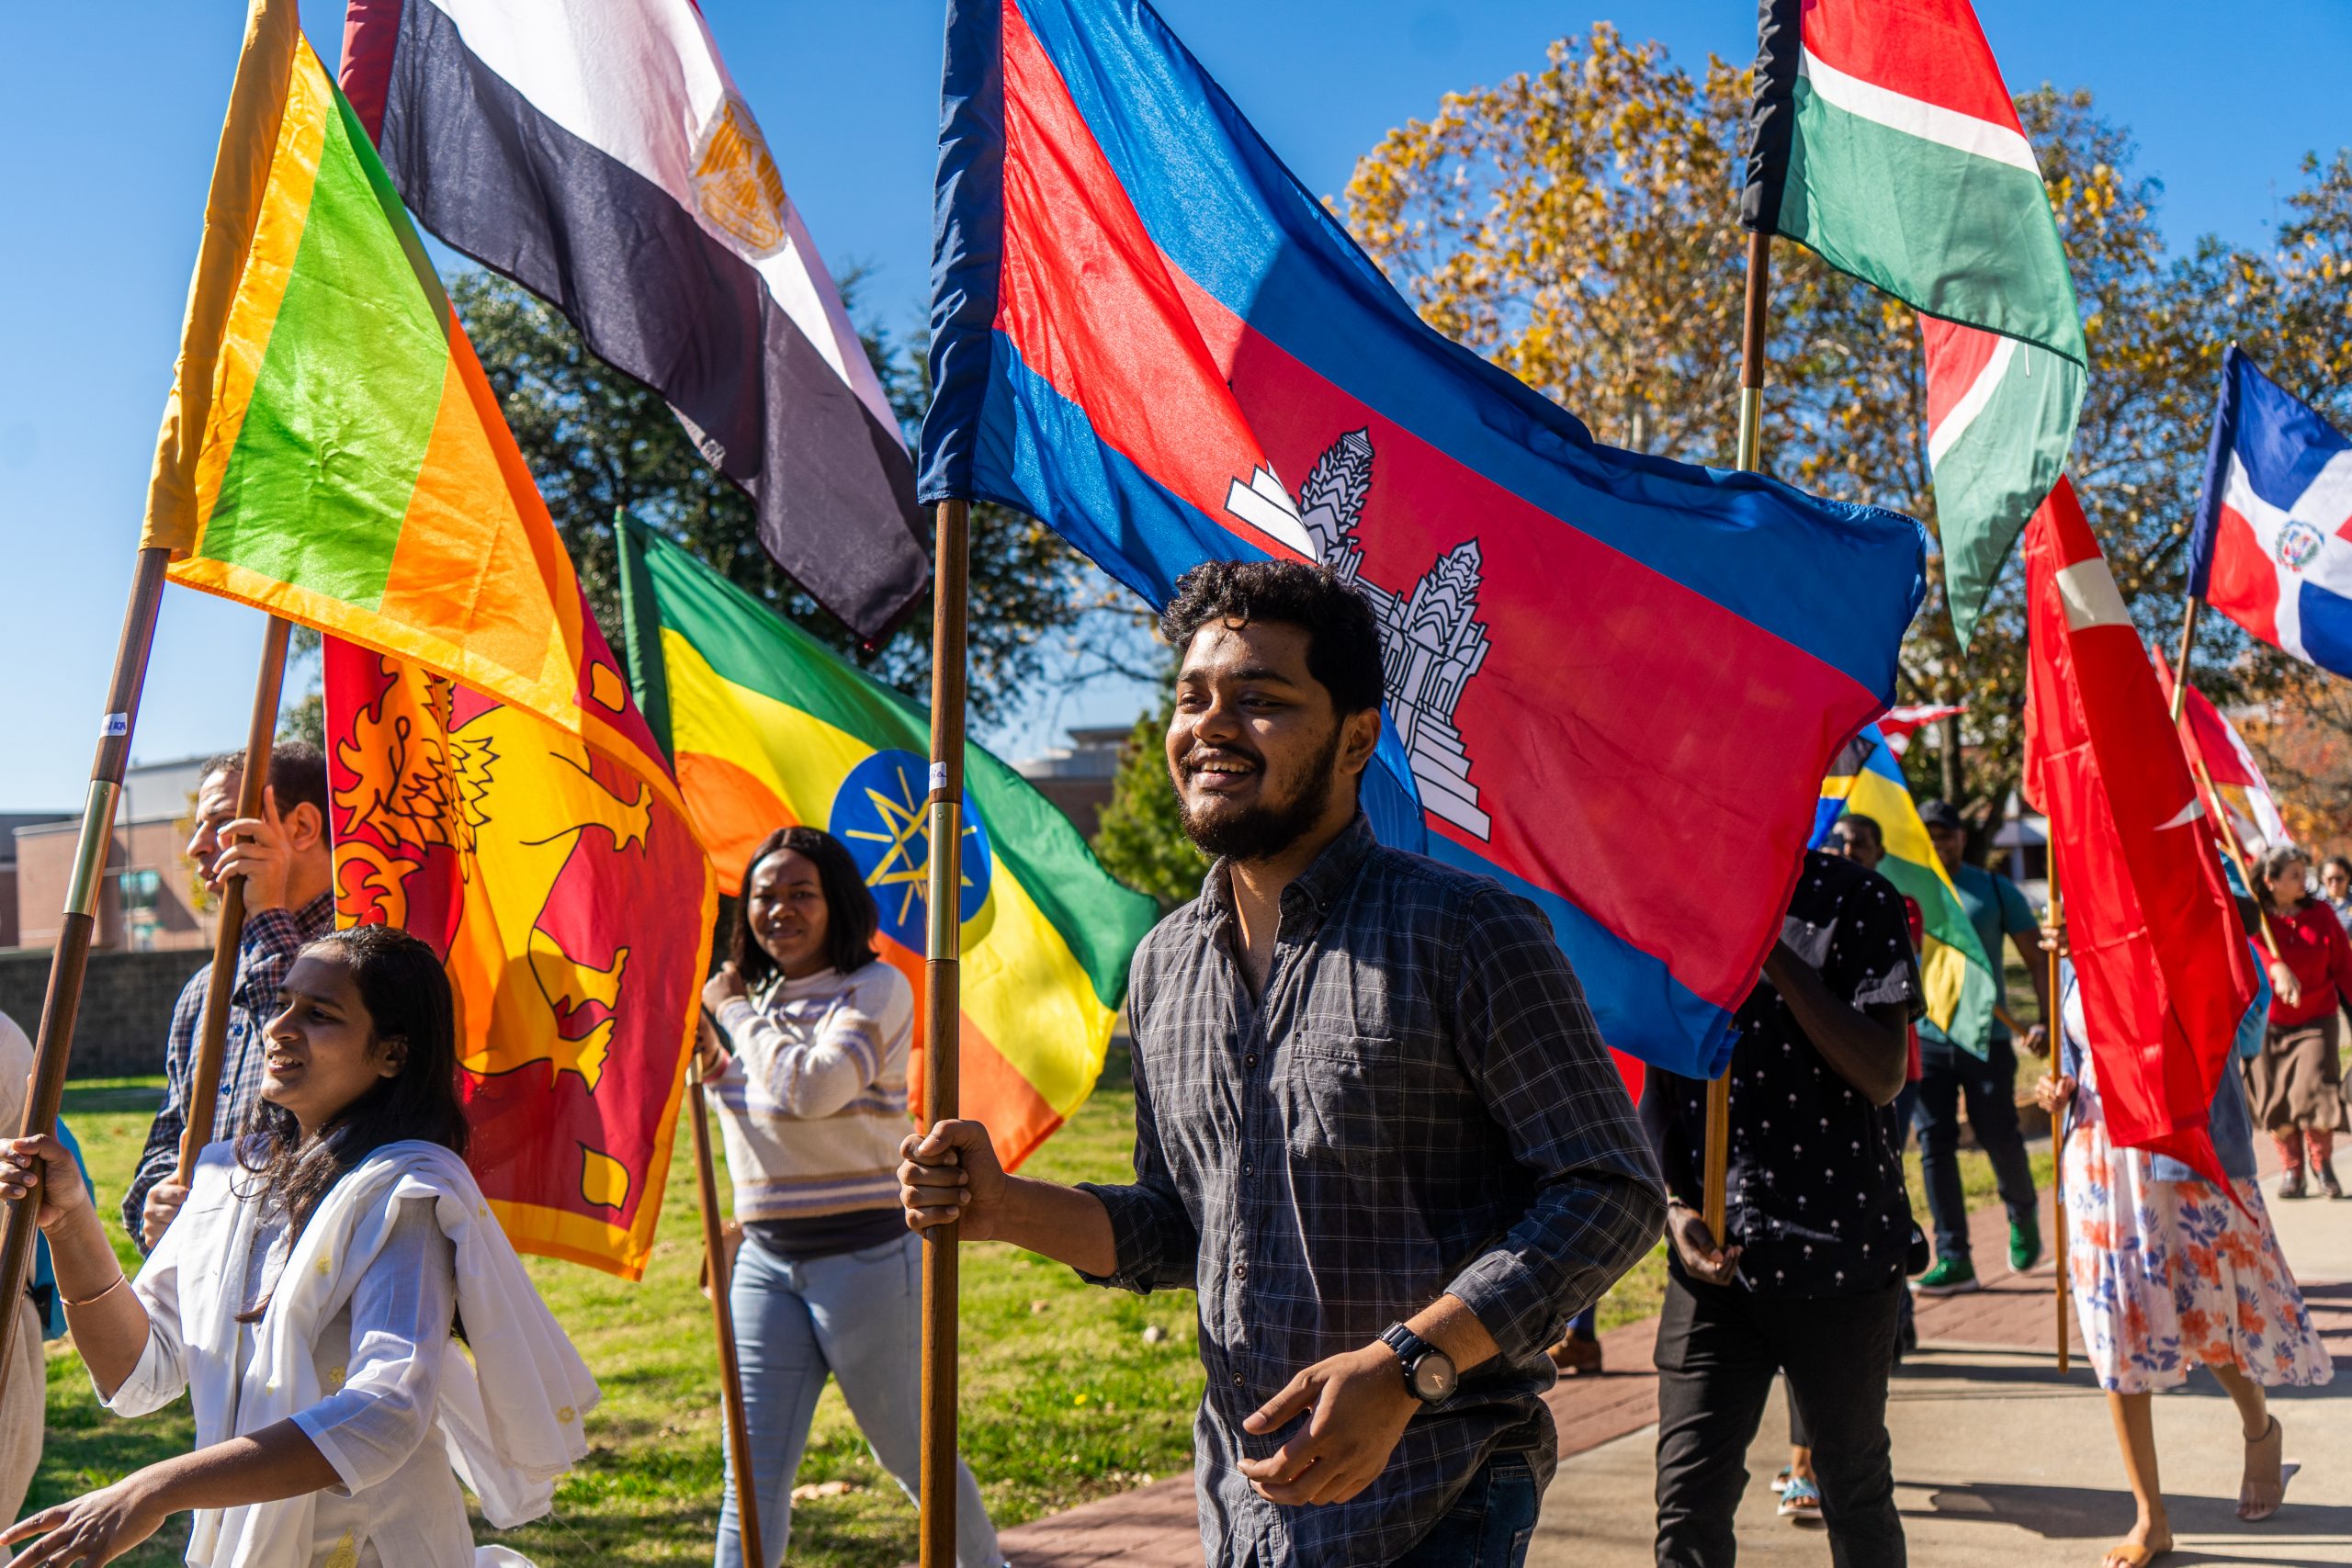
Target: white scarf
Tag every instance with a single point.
(511, 1417)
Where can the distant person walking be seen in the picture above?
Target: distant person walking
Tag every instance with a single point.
(2335, 886)
(1949, 1075)
(1807, 1282)
(2296, 1085)
(2167, 1273)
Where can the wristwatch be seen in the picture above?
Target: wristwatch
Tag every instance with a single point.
(1429, 1376)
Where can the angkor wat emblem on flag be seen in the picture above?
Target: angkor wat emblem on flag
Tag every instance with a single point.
(1433, 642)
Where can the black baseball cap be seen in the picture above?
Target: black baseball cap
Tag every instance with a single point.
(1941, 813)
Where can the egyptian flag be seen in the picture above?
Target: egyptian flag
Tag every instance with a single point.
(2165, 967)
(598, 153)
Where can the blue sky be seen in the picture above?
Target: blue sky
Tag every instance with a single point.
(110, 111)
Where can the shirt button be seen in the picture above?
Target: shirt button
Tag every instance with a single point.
(1250, 1060)
(1236, 1379)
(1248, 1170)
(1241, 1271)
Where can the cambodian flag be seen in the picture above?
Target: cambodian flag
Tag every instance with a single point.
(1615, 681)
(2271, 550)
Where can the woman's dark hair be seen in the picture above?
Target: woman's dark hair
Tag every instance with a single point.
(406, 993)
(2334, 863)
(851, 918)
(2276, 859)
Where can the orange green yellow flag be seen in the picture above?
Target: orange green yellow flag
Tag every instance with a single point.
(768, 729)
(333, 453)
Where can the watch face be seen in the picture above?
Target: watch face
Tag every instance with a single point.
(1435, 1377)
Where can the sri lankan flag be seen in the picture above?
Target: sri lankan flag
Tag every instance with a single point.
(332, 453)
(768, 729)
(1866, 780)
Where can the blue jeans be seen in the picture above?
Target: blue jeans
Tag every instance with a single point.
(1488, 1525)
(1946, 1076)
(858, 1317)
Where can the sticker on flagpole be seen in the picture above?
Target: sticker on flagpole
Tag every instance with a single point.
(938, 777)
(115, 725)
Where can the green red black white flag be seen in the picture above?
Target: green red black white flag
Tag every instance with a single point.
(1885, 140)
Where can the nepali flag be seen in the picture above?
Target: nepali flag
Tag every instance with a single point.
(2270, 548)
(598, 153)
(2164, 963)
(1149, 334)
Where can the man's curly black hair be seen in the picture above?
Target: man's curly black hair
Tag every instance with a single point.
(1342, 639)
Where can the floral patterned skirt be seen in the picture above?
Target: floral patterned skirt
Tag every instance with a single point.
(2170, 1275)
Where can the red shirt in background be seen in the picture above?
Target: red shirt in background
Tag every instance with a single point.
(2313, 945)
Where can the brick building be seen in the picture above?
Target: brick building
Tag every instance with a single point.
(149, 901)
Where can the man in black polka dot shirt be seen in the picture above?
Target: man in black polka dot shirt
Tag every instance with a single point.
(1809, 1280)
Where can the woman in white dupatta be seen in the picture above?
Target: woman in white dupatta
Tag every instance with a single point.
(306, 1296)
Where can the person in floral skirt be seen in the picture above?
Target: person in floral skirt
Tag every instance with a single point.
(2168, 1273)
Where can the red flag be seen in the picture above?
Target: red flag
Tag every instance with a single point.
(2163, 963)
(571, 906)
(2236, 776)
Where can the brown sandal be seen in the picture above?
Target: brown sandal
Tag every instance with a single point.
(2250, 1509)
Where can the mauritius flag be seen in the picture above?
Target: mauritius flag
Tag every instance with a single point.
(1884, 140)
(1147, 334)
(1867, 781)
(769, 729)
(332, 453)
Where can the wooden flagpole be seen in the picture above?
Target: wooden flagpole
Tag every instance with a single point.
(71, 957)
(722, 1319)
(2056, 1024)
(1751, 420)
(943, 1015)
(212, 1034)
(2181, 665)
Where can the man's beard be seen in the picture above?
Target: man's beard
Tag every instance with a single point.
(1266, 830)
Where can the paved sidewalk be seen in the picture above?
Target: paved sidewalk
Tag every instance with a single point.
(1998, 1458)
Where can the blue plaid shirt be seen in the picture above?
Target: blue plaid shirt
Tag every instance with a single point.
(266, 951)
(1419, 1105)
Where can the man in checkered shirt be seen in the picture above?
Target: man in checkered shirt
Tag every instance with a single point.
(1375, 1128)
(285, 860)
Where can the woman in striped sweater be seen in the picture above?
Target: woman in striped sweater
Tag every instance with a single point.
(809, 1068)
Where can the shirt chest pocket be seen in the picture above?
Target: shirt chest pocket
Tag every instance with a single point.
(1339, 1100)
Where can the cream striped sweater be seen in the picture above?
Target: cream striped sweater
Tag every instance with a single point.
(813, 1098)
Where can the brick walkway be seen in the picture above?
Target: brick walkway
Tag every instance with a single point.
(1156, 1526)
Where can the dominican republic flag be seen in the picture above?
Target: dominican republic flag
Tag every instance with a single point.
(598, 153)
(2273, 545)
(1149, 334)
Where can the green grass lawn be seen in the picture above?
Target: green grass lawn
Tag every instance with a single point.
(1065, 1400)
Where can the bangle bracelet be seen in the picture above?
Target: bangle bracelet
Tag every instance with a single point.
(119, 1277)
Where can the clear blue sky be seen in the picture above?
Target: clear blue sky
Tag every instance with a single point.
(110, 111)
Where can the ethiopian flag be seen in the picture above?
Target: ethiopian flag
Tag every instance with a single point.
(1867, 781)
(768, 729)
(332, 454)
(1883, 140)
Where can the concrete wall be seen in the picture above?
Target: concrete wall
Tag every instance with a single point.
(126, 1007)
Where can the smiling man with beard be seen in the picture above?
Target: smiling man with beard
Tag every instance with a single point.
(1376, 1127)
